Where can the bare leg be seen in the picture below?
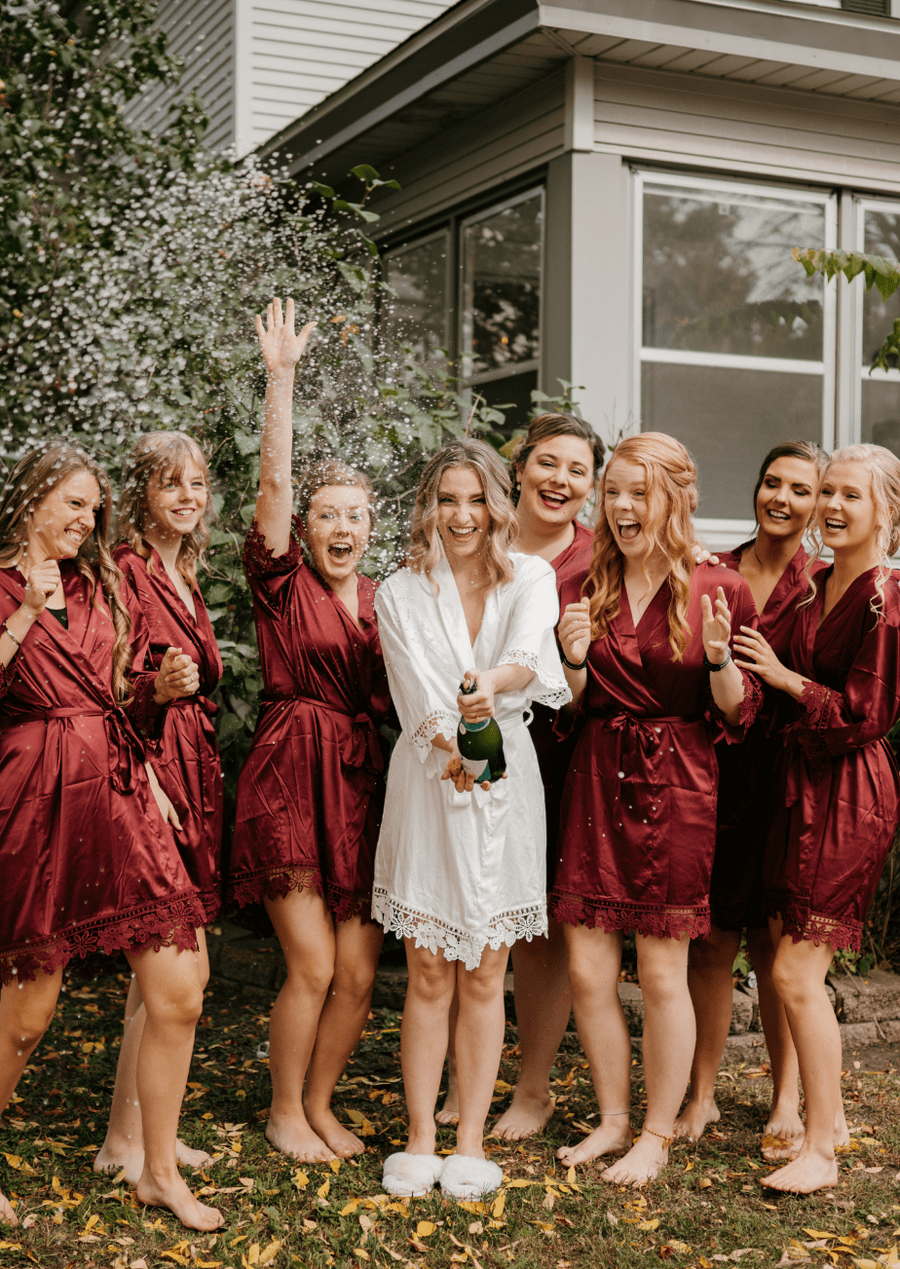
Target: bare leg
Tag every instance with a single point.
(784, 1119)
(124, 1144)
(595, 958)
(449, 1112)
(543, 1008)
(305, 930)
(710, 964)
(341, 1023)
(799, 978)
(423, 1040)
(26, 1011)
(668, 1042)
(170, 986)
(479, 1044)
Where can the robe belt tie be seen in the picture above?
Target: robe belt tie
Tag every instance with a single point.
(636, 735)
(210, 770)
(125, 746)
(362, 747)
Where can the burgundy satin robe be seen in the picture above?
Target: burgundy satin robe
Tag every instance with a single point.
(745, 770)
(182, 744)
(639, 803)
(554, 752)
(310, 795)
(87, 863)
(838, 793)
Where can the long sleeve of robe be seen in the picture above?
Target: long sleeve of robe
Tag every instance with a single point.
(838, 794)
(639, 805)
(463, 871)
(87, 862)
(181, 741)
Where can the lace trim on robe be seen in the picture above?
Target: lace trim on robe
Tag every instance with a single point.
(146, 716)
(258, 558)
(277, 883)
(611, 915)
(163, 923)
(457, 944)
(751, 703)
(815, 703)
(435, 760)
(7, 674)
(554, 693)
(815, 927)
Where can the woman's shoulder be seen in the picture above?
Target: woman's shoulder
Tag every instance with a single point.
(128, 560)
(708, 577)
(403, 581)
(529, 568)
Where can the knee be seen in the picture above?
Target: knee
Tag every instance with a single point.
(28, 1023)
(659, 983)
(434, 984)
(480, 986)
(354, 980)
(180, 1006)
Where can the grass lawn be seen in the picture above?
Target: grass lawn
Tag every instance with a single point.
(707, 1209)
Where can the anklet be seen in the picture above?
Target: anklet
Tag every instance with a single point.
(604, 1113)
(667, 1141)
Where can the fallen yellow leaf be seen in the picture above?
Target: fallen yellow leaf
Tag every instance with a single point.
(425, 1229)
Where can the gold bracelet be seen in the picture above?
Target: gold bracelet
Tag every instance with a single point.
(5, 626)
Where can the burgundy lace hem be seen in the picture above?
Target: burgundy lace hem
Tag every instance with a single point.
(751, 703)
(277, 883)
(815, 703)
(145, 715)
(843, 933)
(619, 915)
(7, 674)
(163, 923)
(258, 558)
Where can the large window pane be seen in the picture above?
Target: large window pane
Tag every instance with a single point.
(880, 390)
(718, 276)
(417, 318)
(501, 288)
(729, 419)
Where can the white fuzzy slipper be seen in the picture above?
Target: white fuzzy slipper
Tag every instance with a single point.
(409, 1175)
(467, 1178)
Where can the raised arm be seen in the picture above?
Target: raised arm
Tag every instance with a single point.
(281, 350)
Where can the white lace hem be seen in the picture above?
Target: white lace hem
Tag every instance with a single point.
(547, 688)
(458, 944)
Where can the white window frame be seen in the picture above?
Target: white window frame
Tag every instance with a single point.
(468, 379)
(730, 532)
(862, 204)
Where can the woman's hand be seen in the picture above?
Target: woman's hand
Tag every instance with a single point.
(759, 657)
(178, 677)
(43, 581)
(462, 780)
(702, 556)
(280, 347)
(477, 706)
(169, 814)
(574, 631)
(716, 627)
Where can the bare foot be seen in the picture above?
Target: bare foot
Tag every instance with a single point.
(189, 1157)
(449, 1112)
(526, 1115)
(785, 1122)
(612, 1138)
(641, 1164)
(114, 1158)
(780, 1147)
(295, 1137)
(697, 1115)
(809, 1172)
(174, 1194)
(6, 1212)
(341, 1140)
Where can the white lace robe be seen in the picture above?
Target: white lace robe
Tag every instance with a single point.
(461, 871)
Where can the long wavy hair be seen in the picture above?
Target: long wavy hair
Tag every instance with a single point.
(30, 481)
(425, 547)
(671, 501)
(884, 468)
(544, 428)
(153, 458)
(807, 450)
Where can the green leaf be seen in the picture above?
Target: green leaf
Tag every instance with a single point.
(247, 443)
(363, 172)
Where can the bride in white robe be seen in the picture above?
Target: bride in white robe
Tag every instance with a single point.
(460, 871)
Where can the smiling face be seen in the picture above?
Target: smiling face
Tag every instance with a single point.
(65, 517)
(845, 508)
(787, 497)
(174, 505)
(463, 519)
(556, 479)
(629, 510)
(338, 525)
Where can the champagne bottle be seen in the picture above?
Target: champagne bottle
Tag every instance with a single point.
(481, 745)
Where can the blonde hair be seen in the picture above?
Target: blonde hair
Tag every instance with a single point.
(152, 457)
(32, 479)
(884, 468)
(671, 501)
(425, 548)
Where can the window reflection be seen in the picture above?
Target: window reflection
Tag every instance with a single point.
(880, 391)
(417, 316)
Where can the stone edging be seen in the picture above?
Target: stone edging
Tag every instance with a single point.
(868, 1009)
